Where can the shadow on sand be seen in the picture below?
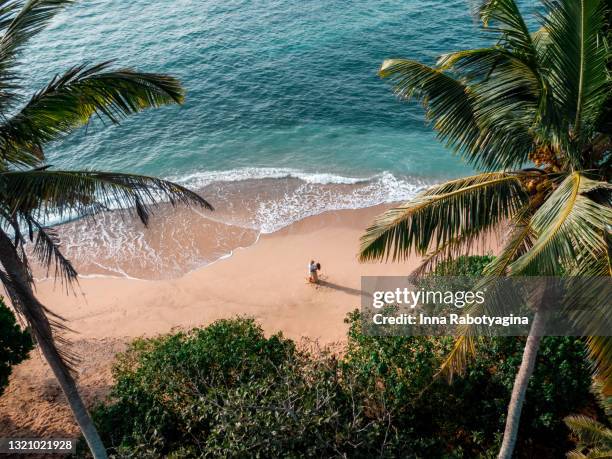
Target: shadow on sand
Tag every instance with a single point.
(341, 288)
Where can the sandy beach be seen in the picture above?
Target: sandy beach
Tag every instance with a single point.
(267, 281)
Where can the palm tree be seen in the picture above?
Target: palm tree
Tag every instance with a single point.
(538, 98)
(594, 438)
(30, 190)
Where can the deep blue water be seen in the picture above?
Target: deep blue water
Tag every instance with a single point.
(270, 84)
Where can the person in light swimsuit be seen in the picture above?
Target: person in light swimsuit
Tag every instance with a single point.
(313, 275)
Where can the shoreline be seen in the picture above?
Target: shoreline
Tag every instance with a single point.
(184, 239)
(259, 235)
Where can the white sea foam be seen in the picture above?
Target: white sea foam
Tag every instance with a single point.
(313, 193)
(117, 246)
(312, 198)
(201, 179)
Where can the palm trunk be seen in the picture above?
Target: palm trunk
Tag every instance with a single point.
(520, 385)
(68, 385)
(20, 291)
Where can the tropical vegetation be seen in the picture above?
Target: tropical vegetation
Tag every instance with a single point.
(531, 113)
(227, 390)
(31, 190)
(15, 344)
(593, 438)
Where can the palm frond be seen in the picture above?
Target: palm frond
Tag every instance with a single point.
(78, 193)
(469, 337)
(456, 247)
(591, 433)
(47, 249)
(477, 63)
(46, 245)
(592, 454)
(453, 108)
(519, 240)
(503, 18)
(444, 98)
(600, 353)
(604, 398)
(501, 80)
(71, 99)
(20, 20)
(568, 226)
(457, 360)
(23, 19)
(586, 306)
(462, 245)
(578, 55)
(441, 214)
(511, 84)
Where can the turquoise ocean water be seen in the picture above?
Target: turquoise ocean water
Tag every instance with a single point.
(284, 116)
(270, 84)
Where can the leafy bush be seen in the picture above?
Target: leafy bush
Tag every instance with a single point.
(15, 344)
(466, 418)
(471, 266)
(227, 390)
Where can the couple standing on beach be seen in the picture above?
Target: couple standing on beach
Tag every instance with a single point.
(313, 271)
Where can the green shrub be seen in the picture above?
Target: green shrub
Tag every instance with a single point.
(15, 344)
(466, 418)
(463, 266)
(227, 390)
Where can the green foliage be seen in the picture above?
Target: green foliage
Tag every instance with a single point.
(468, 266)
(227, 390)
(15, 344)
(487, 199)
(531, 111)
(593, 438)
(465, 418)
